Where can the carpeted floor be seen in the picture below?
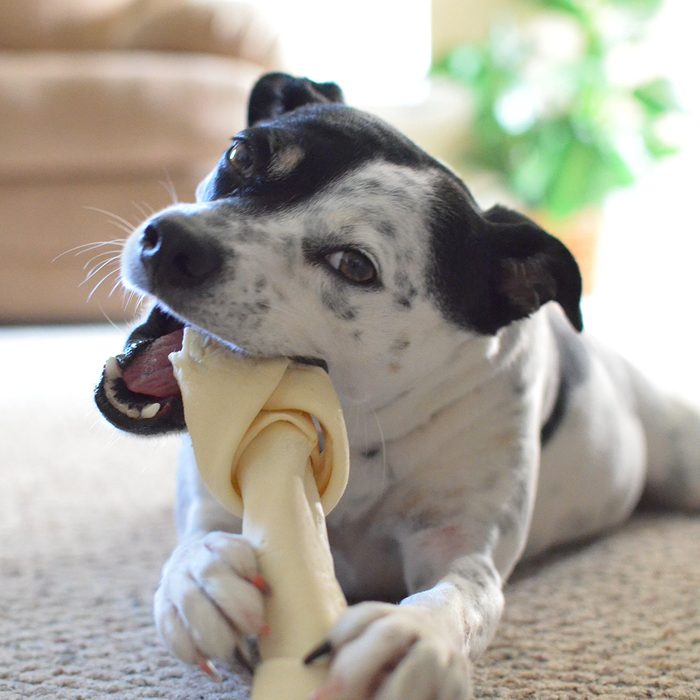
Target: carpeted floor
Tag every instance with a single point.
(85, 523)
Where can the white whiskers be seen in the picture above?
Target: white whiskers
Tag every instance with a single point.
(101, 282)
(169, 187)
(144, 209)
(103, 254)
(87, 247)
(100, 266)
(103, 263)
(118, 221)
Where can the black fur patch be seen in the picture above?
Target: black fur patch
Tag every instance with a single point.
(277, 93)
(400, 344)
(338, 304)
(335, 139)
(459, 274)
(260, 283)
(574, 368)
(386, 228)
(495, 268)
(371, 452)
(404, 302)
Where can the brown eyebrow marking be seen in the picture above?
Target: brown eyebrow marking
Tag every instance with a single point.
(285, 161)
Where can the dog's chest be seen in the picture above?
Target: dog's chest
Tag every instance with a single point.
(363, 529)
(439, 459)
(367, 562)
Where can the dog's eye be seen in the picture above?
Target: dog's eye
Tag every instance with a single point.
(240, 158)
(353, 265)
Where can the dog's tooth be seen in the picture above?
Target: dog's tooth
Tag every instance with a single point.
(195, 344)
(112, 374)
(111, 395)
(150, 411)
(110, 392)
(112, 369)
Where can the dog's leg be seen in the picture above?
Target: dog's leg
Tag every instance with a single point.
(673, 455)
(210, 596)
(420, 649)
(672, 430)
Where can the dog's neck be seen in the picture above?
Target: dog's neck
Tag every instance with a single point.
(467, 369)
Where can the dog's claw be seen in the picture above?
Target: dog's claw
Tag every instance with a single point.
(261, 584)
(206, 666)
(244, 660)
(321, 650)
(326, 692)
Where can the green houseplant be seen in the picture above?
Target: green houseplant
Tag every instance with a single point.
(552, 118)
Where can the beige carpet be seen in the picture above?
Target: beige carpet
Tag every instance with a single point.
(85, 523)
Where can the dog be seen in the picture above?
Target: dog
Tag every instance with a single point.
(484, 426)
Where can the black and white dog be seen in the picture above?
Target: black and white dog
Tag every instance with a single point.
(483, 427)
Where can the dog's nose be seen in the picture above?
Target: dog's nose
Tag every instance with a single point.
(175, 257)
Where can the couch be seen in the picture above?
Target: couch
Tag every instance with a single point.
(108, 109)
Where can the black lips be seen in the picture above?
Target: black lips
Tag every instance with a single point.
(170, 416)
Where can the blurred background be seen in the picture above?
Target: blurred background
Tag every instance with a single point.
(581, 113)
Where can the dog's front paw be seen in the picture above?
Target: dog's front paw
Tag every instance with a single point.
(388, 652)
(210, 599)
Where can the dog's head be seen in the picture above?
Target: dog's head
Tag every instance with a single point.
(325, 235)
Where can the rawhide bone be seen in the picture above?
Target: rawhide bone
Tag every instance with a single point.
(264, 457)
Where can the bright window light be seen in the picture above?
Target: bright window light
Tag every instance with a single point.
(378, 51)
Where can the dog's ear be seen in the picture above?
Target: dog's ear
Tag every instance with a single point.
(528, 268)
(277, 93)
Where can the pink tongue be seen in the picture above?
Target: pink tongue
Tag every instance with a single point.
(150, 372)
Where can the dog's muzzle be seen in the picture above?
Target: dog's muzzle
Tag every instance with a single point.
(137, 391)
(173, 257)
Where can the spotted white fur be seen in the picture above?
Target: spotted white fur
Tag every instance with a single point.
(449, 487)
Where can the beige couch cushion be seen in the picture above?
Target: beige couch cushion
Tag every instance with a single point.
(101, 101)
(85, 113)
(236, 29)
(32, 24)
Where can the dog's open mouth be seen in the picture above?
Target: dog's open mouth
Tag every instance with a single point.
(138, 391)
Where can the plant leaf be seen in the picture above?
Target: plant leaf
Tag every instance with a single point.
(565, 158)
(642, 7)
(656, 97)
(570, 7)
(463, 64)
(656, 146)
